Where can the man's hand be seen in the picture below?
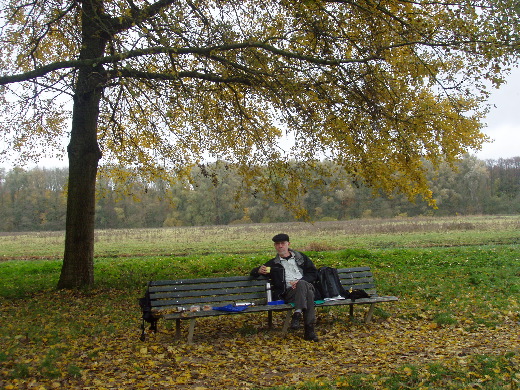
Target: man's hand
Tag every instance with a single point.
(262, 270)
(293, 283)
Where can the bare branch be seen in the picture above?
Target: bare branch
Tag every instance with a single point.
(132, 73)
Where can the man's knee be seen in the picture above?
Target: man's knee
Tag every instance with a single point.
(305, 286)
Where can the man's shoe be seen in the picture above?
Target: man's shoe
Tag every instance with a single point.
(310, 334)
(296, 320)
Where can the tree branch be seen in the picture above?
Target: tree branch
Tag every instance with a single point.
(205, 51)
(208, 52)
(138, 15)
(133, 73)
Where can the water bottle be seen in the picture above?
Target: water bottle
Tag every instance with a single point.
(268, 291)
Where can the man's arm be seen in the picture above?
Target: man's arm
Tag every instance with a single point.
(258, 271)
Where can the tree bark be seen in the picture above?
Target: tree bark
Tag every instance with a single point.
(84, 154)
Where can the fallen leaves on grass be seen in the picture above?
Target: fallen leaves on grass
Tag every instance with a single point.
(63, 340)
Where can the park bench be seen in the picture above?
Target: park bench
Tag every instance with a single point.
(191, 299)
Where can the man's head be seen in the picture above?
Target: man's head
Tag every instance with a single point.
(281, 244)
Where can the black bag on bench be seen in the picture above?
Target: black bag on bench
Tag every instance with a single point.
(328, 285)
(356, 294)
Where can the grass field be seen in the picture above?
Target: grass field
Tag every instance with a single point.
(456, 325)
(255, 238)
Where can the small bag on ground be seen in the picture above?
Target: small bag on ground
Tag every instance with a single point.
(147, 316)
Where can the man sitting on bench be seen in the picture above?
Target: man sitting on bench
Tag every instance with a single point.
(292, 274)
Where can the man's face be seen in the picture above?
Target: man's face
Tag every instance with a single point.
(282, 248)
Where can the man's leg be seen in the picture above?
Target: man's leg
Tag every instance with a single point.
(303, 298)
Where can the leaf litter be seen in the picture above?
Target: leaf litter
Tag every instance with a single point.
(66, 341)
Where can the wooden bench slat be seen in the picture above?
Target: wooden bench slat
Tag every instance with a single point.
(203, 280)
(206, 300)
(205, 285)
(202, 293)
(359, 276)
(367, 286)
(355, 282)
(353, 269)
(359, 272)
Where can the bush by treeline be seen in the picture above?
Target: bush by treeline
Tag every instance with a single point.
(35, 199)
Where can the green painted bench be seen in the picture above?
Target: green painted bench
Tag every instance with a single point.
(191, 299)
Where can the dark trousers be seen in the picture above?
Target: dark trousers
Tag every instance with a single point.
(303, 298)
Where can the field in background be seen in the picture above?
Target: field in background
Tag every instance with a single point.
(256, 238)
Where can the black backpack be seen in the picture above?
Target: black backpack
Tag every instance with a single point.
(328, 284)
(146, 307)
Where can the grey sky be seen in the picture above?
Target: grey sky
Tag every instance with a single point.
(503, 121)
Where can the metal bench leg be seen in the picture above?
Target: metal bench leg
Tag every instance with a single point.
(368, 316)
(351, 312)
(270, 319)
(190, 332)
(286, 322)
(178, 328)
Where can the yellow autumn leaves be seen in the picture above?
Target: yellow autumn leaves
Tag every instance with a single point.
(238, 352)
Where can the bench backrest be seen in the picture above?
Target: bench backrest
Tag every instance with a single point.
(166, 294)
(360, 278)
(219, 291)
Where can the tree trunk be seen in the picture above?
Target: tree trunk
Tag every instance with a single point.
(84, 154)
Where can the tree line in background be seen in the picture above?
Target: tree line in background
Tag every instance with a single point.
(35, 199)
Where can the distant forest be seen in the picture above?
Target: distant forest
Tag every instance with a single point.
(35, 199)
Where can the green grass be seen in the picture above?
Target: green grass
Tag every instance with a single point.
(481, 372)
(453, 282)
(447, 279)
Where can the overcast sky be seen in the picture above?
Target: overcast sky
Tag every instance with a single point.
(503, 121)
(503, 125)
